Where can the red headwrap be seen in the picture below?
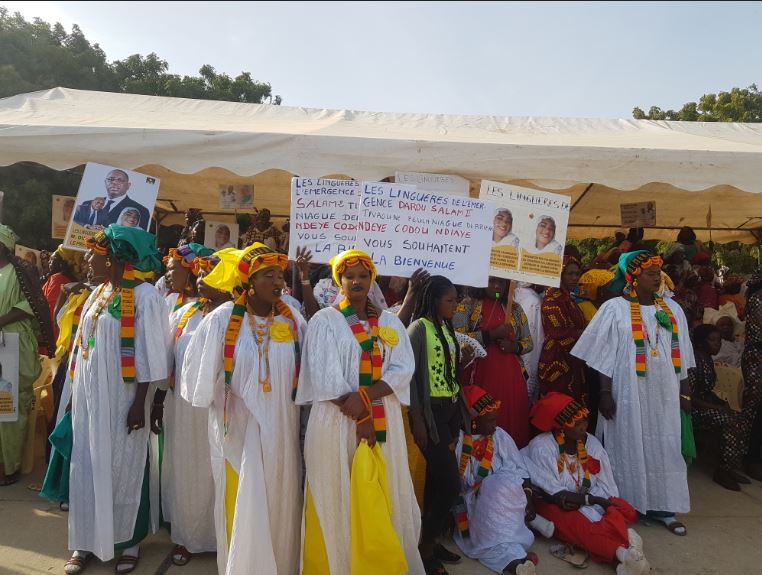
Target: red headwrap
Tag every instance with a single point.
(555, 411)
(479, 402)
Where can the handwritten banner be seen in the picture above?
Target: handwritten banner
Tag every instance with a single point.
(528, 233)
(324, 216)
(404, 229)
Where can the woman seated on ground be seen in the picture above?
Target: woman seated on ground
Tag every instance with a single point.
(493, 508)
(580, 496)
(711, 412)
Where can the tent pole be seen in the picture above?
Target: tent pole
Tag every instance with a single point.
(582, 195)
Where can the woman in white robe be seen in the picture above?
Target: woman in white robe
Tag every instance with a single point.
(640, 414)
(329, 382)
(531, 302)
(109, 457)
(253, 421)
(496, 505)
(571, 471)
(187, 480)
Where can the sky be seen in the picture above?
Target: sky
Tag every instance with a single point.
(577, 59)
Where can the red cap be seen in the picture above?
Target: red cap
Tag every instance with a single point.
(479, 401)
(554, 410)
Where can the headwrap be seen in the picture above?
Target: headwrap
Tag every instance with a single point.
(593, 280)
(189, 255)
(728, 309)
(252, 259)
(630, 266)
(74, 259)
(570, 259)
(349, 259)
(206, 263)
(673, 248)
(224, 277)
(8, 237)
(701, 258)
(135, 248)
(555, 411)
(479, 402)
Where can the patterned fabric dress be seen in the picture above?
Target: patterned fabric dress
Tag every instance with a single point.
(730, 424)
(563, 322)
(751, 361)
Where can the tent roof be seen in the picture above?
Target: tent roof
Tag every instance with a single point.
(62, 128)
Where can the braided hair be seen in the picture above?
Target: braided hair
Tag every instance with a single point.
(426, 306)
(29, 281)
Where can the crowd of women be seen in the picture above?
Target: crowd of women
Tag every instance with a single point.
(281, 423)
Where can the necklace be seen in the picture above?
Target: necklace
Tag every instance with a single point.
(100, 305)
(261, 333)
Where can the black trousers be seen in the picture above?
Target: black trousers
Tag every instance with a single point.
(442, 477)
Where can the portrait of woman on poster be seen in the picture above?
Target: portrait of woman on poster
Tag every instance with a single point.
(544, 241)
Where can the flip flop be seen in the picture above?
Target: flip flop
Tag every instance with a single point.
(181, 556)
(76, 564)
(128, 562)
(568, 553)
(674, 526)
(445, 555)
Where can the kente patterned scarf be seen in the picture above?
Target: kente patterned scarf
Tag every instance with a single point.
(664, 318)
(371, 361)
(485, 466)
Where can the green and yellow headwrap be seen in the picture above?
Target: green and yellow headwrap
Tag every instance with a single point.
(136, 249)
(74, 259)
(350, 259)
(8, 237)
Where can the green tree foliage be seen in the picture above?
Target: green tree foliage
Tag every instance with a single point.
(738, 105)
(38, 56)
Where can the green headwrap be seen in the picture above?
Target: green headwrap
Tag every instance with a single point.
(619, 282)
(131, 245)
(8, 238)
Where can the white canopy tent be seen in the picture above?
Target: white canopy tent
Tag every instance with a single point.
(195, 146)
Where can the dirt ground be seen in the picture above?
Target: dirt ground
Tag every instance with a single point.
(723, 538)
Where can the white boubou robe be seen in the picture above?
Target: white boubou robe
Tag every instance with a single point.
(331, 369)
(262, 444)
(498, 534)
(643, 440)
(107, 463)
(541, 459)
(187, 483)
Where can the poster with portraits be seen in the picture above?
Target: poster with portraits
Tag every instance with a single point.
(236, 197)
(221, 235)
(62, 211)
(528, 233)
(9, 376)
(109, 195)
(29, 255)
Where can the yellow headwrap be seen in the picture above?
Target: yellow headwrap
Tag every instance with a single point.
(592, 280)
(350, 259)
(257, 257)
(224, 277)
(76, 260)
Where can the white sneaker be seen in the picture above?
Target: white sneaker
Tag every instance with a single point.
(526, 568)
(636, 540)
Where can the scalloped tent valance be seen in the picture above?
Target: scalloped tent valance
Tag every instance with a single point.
(195, 146)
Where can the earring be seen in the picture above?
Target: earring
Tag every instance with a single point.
(635, 283)
(108, 263)
(473, 426)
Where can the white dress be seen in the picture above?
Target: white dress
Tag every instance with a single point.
(330, 369)
(498, 534)
(107, 463)
(643, 439)
(187, 483)
(262, 444)
(553, 247)
(541, 458)
(531, 302)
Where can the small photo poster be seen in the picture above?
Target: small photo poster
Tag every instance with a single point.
(29, 255)
(109, 195)
(236, 197)
(9, 376)
(221, 235)
(528, 233)
(638, 215)
(62, 212)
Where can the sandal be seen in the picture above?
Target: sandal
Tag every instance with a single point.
(674, 526)
(181, 556)
(10, 479)
(445, 555)
(433, 566)
(570, 554)
(76, 564)
(128, 564)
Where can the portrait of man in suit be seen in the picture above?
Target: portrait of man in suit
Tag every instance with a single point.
(104, 210)
(91, 214)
